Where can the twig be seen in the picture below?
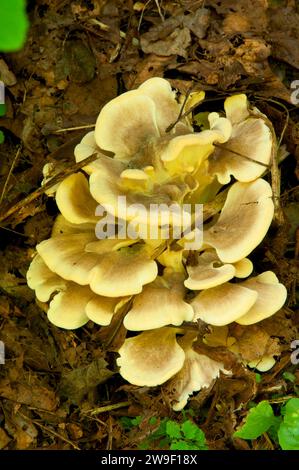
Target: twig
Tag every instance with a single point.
(9, 174)
(56, 179)
(181, 115)
(104, 409)
(50, 431)
(241, 155)
(77, 128)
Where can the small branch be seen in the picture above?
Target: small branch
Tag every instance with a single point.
(56, 179)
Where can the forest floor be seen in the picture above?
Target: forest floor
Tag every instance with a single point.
(60, 389)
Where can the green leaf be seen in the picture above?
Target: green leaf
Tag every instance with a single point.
(288, 433)
(2, 138)
(13, 25)
(258, 421)
(289, 376)
(258, 378)
(193, 432)
(2, 109)
(153, 420)
(173, 430)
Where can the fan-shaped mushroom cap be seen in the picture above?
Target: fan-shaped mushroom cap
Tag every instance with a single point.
(74, 200)
(258, 298)
(159, 304)
(209, 271)
(198, 372)
(271, 297)
(72, 305)
(139, 116)
(101, 309)
(67, 308)
(150, 358)
(109, 273)
(251, 141)
(85, 149)
(223, 304)
(41, 279)
(243, 222)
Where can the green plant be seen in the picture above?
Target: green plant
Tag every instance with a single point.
(283, 428)
(170, 434)
(13, 25)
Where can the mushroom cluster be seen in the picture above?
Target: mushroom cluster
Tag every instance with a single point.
(158, 283)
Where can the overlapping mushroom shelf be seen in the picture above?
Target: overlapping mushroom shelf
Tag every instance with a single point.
(156, 285)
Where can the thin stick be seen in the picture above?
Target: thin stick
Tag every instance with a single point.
(77, 128)
(10, 173)
(50, 431)
(105, 408)
(181, 115)
(56, 179)
(240, 155)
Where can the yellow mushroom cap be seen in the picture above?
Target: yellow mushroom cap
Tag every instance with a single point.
(74, 200)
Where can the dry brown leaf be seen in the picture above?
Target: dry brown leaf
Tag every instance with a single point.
(254, 342)
(4, 439)
(29, 394)
(77, 383)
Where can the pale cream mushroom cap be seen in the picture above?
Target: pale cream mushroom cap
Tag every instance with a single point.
(210, 271)
(159, 304)
(134, 202)
(101, 309)
(198, 371)
(126, 123)
(85, 149)
(119, 274)
(271, 297)
(205, 275)
(223, 304)
(167, 108)
(243, 268)
(64, 227)
(151, 358)
(251, 139)
(74, 200)
(243, 222)
(139, 116)
(41, 279)
(67, 308)
(236, 108)
(111, 274)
